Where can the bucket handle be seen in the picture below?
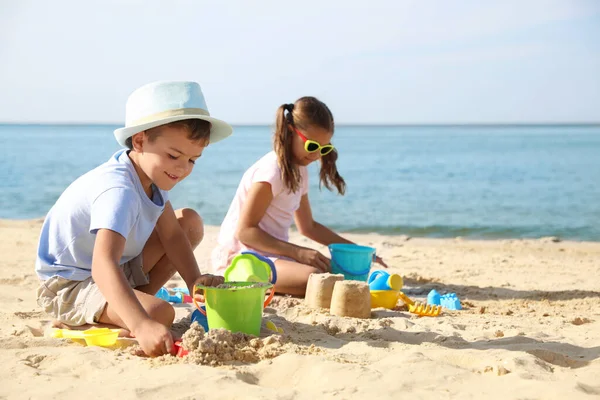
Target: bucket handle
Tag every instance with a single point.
(266, 303)
(352, 272)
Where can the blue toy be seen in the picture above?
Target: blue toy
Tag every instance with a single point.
(201, 319)
(178, 298)
(351, 260)
(434, 298)
(449, 301)
(382, 280)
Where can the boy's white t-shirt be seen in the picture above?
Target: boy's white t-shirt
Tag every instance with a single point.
(278, 217)
(110, 196)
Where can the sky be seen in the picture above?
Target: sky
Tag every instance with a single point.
(372, 62)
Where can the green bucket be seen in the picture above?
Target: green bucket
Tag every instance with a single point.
(238, 307)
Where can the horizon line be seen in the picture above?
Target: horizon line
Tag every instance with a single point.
(358, 124)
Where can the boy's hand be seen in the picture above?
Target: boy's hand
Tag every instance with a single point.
(154, 338)
(209, 280)
(206, 280)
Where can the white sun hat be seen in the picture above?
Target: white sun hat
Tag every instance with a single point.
(159, 103)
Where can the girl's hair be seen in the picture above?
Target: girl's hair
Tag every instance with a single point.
(306, 112)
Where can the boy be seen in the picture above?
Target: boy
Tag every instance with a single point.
(112, 239)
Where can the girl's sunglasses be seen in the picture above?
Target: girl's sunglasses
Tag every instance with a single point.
(311, 146)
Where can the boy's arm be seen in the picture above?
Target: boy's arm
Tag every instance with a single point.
(179, 250)
(108, 249)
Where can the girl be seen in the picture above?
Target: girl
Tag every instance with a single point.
(273, 193)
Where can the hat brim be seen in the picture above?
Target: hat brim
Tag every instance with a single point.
(219, 129)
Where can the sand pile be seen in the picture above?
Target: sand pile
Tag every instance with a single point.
(220, 346)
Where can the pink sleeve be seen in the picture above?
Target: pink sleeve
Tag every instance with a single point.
(270, 174)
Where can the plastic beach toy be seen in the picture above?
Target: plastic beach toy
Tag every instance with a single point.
(351, 260)
(384, 298)
(421, 309)
(389, 298)
(235, 306)
(178, 298)
(449, 301)
(178, 349)
(103, 337)
(382, 280)
(251, 267)
(200, 318)
(272, 327)
(433, 297)
(384, 288)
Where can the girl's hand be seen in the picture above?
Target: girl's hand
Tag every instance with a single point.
(314, 259)
(380, 261)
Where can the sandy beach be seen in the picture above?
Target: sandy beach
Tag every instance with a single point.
(530, 329)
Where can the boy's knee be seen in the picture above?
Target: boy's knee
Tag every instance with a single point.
(162, 312)
(192, 225)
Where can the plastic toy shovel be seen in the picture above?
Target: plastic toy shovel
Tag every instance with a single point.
(103, 337)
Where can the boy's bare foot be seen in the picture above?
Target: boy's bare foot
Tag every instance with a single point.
(60, 325)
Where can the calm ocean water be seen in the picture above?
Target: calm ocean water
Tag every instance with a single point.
(483, 182)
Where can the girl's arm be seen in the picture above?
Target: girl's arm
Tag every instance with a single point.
(250, 234)
(313, 230)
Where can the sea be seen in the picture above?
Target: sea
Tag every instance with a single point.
(473, 181)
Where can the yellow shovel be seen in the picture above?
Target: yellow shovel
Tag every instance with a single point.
(103, 337)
